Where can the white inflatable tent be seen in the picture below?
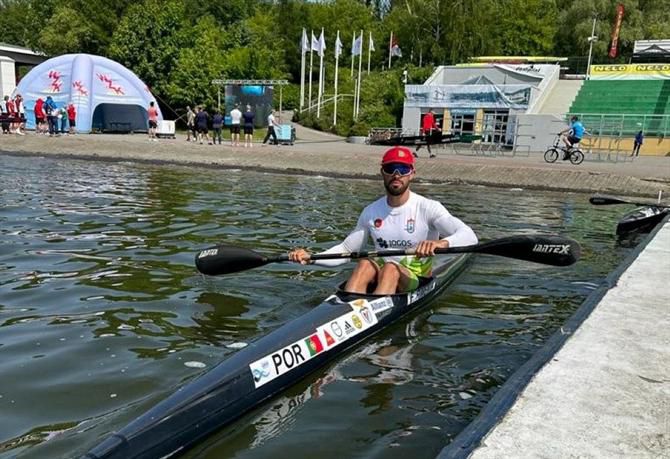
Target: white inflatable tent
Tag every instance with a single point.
(108, 97)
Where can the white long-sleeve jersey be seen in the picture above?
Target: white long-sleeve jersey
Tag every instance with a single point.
(403, 227)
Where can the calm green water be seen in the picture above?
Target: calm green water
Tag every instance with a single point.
(102, 313)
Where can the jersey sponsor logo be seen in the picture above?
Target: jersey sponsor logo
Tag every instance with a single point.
(395, 243)
(356, 321)
(378, 222)
(409, 226)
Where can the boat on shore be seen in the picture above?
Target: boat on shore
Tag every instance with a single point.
(268, 366)
(642, 219)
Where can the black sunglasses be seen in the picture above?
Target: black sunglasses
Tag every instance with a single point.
(397, 168)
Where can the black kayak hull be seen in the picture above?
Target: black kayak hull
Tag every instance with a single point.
(643, 219)
(267, 367)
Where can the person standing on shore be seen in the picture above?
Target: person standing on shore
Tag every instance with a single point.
(39, 116)
(152, 111)
(72, 117)
(62, 115)
(429, 129)
(217, 125)
(50, 110)
(201, 120)
(190, 124)
(271, 129)
(21, 115)
(235, 119)
(248, 117)
(639, 139)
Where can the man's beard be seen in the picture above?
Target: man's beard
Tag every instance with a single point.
(395, 191)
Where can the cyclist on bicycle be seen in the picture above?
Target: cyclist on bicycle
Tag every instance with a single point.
(575, 133)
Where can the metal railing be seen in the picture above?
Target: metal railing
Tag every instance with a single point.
(624, 125)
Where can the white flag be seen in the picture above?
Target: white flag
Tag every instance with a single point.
(371, 46)
(315, 43)
(356, 47)
(304, 43)
(338, 47)
(322, 44)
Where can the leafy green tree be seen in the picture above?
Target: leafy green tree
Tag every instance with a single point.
(190, 80)
(149, 39)
(527, 27)
(66, 31)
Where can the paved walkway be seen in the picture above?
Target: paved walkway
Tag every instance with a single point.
(606, 393)
(330, 155)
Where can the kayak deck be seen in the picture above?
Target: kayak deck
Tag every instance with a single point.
(642, 219)
(268, 366)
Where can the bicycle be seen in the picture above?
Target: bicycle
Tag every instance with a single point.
(574, 154)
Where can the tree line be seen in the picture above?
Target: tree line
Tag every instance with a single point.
(177, 46)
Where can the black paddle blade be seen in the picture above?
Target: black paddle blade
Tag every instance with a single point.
(227, 259)
(605, 200)
(548, 250)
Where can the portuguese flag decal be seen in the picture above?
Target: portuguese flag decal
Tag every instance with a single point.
(314, 344)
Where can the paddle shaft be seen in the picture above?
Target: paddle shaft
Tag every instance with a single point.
(608, 200)
(549, 250)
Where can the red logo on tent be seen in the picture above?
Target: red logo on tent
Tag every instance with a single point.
(80, 88)
(56, 82)
(109, 83)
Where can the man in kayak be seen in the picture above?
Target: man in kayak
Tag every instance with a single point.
(400, 220)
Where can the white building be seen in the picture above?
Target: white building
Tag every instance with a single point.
(479, 99)
(10, 57)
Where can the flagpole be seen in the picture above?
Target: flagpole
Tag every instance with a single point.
(369, 52)
(353, 43)
(355, 79)
(360, 63)
(337, 59)
(390, 46)
(311, 58)
(318, 100)
(302, 69)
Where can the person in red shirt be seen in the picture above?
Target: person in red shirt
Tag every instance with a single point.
(429, 128)
(40, 116)
(152, 111)
(72, 117)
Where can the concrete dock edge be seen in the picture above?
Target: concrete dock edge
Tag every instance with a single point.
(472, 436)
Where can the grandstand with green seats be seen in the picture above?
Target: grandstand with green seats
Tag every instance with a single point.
(624, 107)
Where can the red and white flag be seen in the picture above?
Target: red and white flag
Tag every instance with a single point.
(618, 19)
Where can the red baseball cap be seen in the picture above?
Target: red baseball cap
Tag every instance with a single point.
(400, 155)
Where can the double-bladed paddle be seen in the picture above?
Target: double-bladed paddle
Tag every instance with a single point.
(548, 250)
(608, 200)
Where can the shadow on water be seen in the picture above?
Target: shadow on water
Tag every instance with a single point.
(102, 313)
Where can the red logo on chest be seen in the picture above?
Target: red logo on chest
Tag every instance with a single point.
(378, 222)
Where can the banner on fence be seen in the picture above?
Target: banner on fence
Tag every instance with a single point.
(630, 72)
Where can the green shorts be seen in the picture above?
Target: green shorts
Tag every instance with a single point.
(411, 276)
